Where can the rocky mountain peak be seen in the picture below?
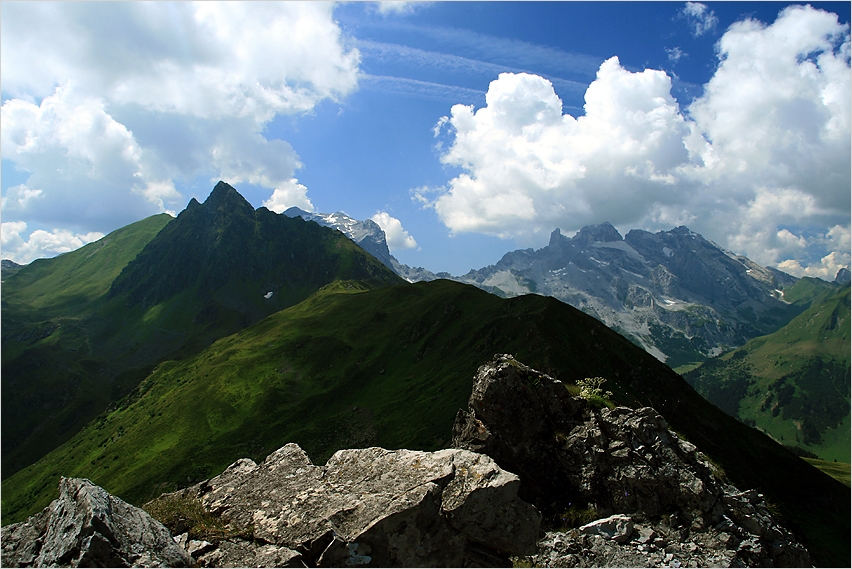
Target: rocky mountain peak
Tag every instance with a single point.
(647, 498)
(555, 237)
(625, 467)
(602, 233)
(367, 234)
(226, 197)
(843, 276)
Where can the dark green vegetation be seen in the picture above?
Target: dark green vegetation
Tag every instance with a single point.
(795, 383)
(80, 331)
(351, 367)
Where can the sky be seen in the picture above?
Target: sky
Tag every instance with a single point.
(465, 129)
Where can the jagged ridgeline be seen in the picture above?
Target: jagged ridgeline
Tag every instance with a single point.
(80, 331)
(794, 383)
(391, 367)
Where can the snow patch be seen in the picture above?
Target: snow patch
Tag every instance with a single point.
(268, 295)
(668, 252)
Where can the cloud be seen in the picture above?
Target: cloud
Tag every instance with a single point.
(111, 106)
(760, 163)
(87, 169)
(701, 19)
(397, 237)
(40, 243)
(529, 167)
(675, 54)
(399, 6)
(289, 194)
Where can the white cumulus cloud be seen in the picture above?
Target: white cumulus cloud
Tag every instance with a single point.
(760, 163)
(289, 194)
(397, 237)
(110, 106)
(40, 243)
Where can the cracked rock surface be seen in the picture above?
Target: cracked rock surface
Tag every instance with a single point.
(88, 527)
(370, 506)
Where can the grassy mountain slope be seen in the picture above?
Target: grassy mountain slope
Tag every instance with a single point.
(53, 381)
(391, 367)
(793, 384)
(82, 330)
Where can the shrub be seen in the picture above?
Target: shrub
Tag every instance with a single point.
(591, 389)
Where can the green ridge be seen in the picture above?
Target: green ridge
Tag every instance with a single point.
(350, 367)
(793, 384)
(80, 331)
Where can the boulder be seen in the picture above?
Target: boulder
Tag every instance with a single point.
(616, 527)
(87, 527)
(571, 455)
(372, 507)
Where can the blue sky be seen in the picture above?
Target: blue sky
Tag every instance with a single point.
(467, 129)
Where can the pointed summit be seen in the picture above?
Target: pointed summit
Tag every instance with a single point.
(230, 256)
(225, 197)
(555, 237)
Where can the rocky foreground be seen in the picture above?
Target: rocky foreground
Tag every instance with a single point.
(538, 477)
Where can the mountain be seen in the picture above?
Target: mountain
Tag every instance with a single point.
(370, 237)
(679, 296)
(390, 367)
(795, 383)
(54, 378)
(9, 267)
(81, 330)
(366, 234)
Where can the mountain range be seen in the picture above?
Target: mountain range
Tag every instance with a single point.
(82, 330)
(228, 331)
(686, 301)
(677, 295)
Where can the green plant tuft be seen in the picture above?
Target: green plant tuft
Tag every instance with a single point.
(574, 517)
(182, 514)
(591, 389)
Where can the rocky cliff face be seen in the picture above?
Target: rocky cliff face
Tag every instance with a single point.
(658, 498)
(679, 296)
(87, 527)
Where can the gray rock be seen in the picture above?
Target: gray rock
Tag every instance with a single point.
(243, 553)
(372, 507)
(653, 288)
(87, 527)
(617, 527)
(570, 454)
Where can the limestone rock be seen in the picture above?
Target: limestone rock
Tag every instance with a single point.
(87, 527)
(570, 454)
(371, 507)
(616, 527)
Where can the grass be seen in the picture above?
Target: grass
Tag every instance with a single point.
(82, 330)
(838, 470)
(352, 368)
(186, 514)
(792, 384)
